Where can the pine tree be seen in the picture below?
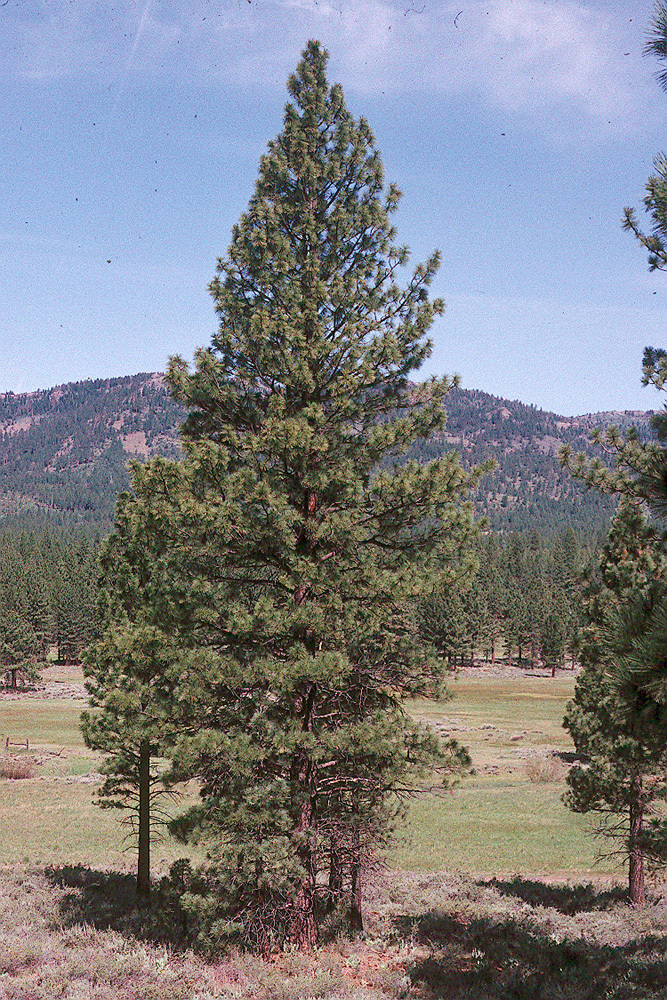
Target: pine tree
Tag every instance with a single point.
(132, 671)
(637, 631)
(444, 624)
(491, 582)
(19, 648)
(303, 540)
(610, 719)
(75, 598)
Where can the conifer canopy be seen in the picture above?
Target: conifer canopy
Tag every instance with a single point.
(293, 542)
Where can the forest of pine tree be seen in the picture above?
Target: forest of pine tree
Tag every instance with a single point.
(259, 560)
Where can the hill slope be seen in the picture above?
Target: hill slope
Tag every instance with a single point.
(64, 453)
(528, 490)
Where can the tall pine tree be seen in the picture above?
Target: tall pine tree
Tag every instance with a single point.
(304, 542)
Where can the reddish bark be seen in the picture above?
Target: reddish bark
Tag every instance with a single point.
(636, 886)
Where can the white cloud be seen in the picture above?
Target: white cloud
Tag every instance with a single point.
(519, 56)
(524, 53)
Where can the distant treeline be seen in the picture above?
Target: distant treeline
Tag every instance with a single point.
(523, 602)
(48, 599)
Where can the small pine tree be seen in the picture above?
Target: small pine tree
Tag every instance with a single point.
(19, 649)
(610, 719)
(131, 673)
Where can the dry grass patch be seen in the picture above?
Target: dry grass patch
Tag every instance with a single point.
(75, 934)
(17, 768)
(546, 769)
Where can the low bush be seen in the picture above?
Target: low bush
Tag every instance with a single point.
(16, 768)
(545, 769)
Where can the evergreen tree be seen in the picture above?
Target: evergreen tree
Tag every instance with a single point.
(19, 649)
(637, 631)
(444, 623)
(75, 598)
(131, 675)
(492, 584)
(610, 719)
(302, 546)
(477, 616)
(552, 638)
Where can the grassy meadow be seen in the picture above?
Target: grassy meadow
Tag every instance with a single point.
(497, 822)
(492, 892)
(508, 817)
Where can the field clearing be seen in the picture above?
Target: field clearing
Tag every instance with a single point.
(492, 893)
(51, 819)
(497, 822)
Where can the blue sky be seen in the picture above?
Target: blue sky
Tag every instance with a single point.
(516, 129)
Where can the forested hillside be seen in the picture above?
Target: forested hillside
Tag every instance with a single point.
(528, 490)
(64, 453)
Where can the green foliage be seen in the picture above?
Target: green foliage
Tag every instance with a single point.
(19, 648)
(42, 574)
(131, 673)
(525, 589)
(293, 544)
(615, 726)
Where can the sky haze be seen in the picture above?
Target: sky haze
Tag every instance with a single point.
(517, 131)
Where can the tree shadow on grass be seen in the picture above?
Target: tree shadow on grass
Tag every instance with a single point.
(498, 959)
(567, 899)
(108, 901)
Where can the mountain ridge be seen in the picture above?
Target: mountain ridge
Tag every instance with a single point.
(64, 452)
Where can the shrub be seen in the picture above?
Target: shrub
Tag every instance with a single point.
(16, 768)
(545, 769)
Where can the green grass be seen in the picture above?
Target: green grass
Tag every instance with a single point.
(498, 821)
(48, 820)
(529, 702)
(49, 725)
(51, 823)
(499, 826)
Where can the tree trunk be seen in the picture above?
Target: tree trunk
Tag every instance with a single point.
(636, 886)
(356, 916)
(335, 876)
(304, 934)
(144, 861)
(304, 928)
